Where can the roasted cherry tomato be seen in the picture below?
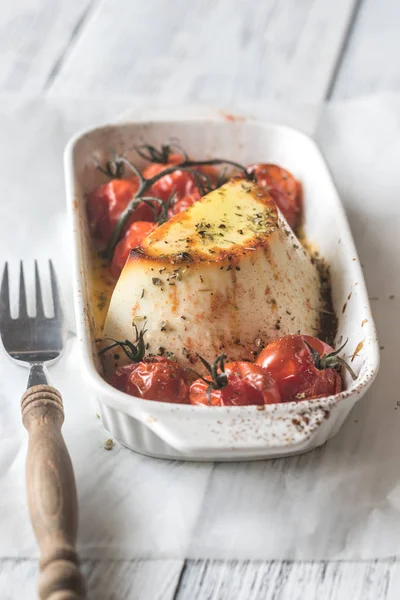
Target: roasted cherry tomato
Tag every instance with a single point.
(236, 384)
(154, 378)
(133, 237)
(258, 377)
(301, 373)
(237, 392)
(106, 204)
(283, 187)
(179, 182)
(183, 204)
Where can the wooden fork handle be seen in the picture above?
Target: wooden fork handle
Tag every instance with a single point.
(52, 496)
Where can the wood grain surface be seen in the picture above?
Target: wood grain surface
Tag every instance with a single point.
(289, 581)
(218, 52)
(106, 580)
(370, 61)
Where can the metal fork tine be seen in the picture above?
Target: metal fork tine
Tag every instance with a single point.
(22, 312)
(5, 295)
(32, 339)
(38, 293)
(55, 292)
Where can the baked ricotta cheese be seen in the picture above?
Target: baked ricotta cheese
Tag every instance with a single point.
(227, 275)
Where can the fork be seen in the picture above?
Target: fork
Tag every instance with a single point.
(35, 342)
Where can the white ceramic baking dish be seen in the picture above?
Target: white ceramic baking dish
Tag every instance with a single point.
(201, 433)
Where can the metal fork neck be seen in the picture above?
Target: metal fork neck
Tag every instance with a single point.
(38, 375)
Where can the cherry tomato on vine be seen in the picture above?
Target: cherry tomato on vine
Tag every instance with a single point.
(258, 377)
(136, 233)
(235, 384)
(154, 378)
(105, 205)
(300, 372)
(179, 182)
(184, 203)
(237, 392)
(283, 187)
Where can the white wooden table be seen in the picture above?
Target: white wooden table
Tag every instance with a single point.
(221, 52)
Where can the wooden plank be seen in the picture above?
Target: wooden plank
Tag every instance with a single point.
(370, 63)
(218, 580)
(34, 37)
(106, 580)
(218, 51)
(317, 50)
